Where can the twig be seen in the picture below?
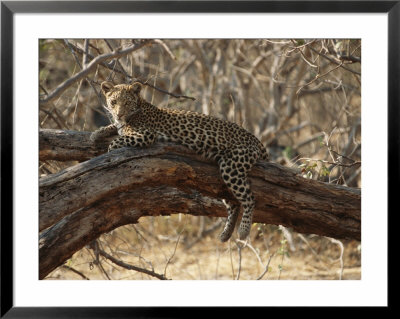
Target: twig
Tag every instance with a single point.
(298, 47)
(288, 236)
(246, 244)
(116, 62)
(240, 258)
(130, 267)
(336, 62)
(49, 114)
(73, 53)
(302, 54)
(277, 42)
(350, 58)
(166, 92)
(309, 246)
(203, 233)
(340, 244)
(110, 65)
(85, 56)
(162, 43)
(318, 76)
(231, 258)
(328, 162)
(43, 89)
(148, 262)
(75, 271)
(94, 245)
(316, 136)
(173, 253)
(339, 156)
(327, 139)
(266, 267)
(85, 59)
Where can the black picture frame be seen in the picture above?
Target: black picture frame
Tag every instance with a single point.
(9, 8)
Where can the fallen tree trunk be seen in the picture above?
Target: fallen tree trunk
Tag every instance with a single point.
(78, 204)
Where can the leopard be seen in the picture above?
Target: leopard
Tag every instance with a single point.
(139, 123)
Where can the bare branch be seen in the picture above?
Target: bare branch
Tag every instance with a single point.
(166, 92)
(126, 265)
(334, 61)
(75, 271)
(119, 52)
(166, 48)
(328, 162)
(110, 65)
(318, 76)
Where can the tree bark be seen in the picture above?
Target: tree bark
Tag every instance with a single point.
(78, 204)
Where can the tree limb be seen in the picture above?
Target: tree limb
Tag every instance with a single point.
(91, 67)
(78, 204)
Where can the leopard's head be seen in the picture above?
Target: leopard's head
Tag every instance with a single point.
(123, 100)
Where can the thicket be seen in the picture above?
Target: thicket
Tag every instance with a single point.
(301, 98)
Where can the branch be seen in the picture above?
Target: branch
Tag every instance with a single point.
(109, 65)
(62, 145)
(318, 76)
(166, 48)
(91, 67)
(95, 246)
(166, 92)
(336, 62)
(82, 202)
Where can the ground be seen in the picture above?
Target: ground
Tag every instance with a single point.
(167, 245)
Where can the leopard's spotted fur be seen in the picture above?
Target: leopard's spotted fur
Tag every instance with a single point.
(235, 150)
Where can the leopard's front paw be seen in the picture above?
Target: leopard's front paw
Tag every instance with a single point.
(95, 136)
(114, 145)
(111, 147)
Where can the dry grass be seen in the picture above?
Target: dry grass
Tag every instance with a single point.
(166, 251)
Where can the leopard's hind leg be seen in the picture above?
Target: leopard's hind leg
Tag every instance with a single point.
(234, 174)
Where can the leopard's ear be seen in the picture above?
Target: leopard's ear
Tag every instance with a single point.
(135, 87)
(106, 87)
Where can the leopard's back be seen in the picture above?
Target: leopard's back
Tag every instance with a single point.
(210, 136)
